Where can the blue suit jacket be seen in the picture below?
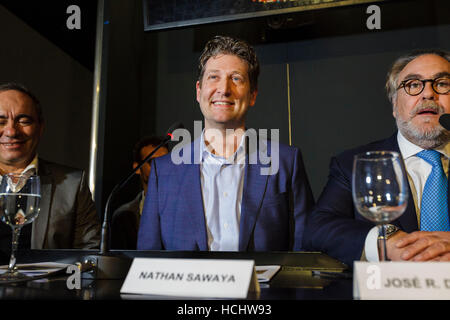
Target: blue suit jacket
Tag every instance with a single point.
(335, 227)
(173, 217)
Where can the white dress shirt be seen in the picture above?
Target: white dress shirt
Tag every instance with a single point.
(418, 171)
(222, 182)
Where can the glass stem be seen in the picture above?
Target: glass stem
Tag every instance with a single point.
(382, 251)
(14, 245)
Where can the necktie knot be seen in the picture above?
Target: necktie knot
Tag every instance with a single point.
(433, 157)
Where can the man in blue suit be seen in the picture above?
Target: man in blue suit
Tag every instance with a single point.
(418, 88)
(228, 197)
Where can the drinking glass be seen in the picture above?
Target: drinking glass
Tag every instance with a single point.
(379, 189)
(19, 205)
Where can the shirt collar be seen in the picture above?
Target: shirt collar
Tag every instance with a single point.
(33, 165)
(409, 149)
(31, 169)
(208, 156)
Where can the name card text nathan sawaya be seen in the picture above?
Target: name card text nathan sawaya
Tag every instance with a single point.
(210, 278)
(401, 280)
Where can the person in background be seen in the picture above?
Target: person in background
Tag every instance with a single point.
(125, 221)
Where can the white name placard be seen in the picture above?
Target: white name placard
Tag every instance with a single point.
(401, 280)
(210, 278)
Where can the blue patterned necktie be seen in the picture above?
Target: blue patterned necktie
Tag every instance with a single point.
(434, 208)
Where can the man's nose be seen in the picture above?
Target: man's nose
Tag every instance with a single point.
(428, 92)
(224, 86)
(10, 130)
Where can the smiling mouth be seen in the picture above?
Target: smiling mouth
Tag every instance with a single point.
(223, 103)
(12, 145)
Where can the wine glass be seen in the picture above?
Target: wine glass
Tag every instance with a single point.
(379, 189)
(19, 205)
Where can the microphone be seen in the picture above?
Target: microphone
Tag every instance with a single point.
(444, 120)
(105, 265)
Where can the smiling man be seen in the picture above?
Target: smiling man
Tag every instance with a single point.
(21, 130)
(221, 201)
(418, 87)
(67, 217)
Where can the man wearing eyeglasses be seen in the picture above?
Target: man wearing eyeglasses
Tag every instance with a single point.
(418, 87)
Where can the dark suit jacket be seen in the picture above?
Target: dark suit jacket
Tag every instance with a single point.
(335, 227)
(125, 225)
(68, 218)
(173, 217)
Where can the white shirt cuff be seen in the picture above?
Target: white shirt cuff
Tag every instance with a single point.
(371, 245)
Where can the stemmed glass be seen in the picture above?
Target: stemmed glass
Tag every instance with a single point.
(379, 189)
(19, 205)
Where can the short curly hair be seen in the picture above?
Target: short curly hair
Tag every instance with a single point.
(228, 45)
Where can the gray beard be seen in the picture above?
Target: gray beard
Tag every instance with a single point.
(426, 139)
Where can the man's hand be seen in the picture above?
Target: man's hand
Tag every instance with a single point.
(419, 246)
(393, 252)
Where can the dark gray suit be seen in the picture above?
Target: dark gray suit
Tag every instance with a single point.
(68, 217)
(125, 225)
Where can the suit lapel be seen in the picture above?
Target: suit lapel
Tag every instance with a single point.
(252, 196)
(408, 220)
(40, 225)
(193, 202)
(192, 195)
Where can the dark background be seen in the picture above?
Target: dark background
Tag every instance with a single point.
(337, 73)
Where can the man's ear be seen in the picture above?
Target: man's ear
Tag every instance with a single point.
(394, 104)
(394, 108)
(253, 97)
(197, 89)
(135, 164)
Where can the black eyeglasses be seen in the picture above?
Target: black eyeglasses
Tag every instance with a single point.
(414, 87)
